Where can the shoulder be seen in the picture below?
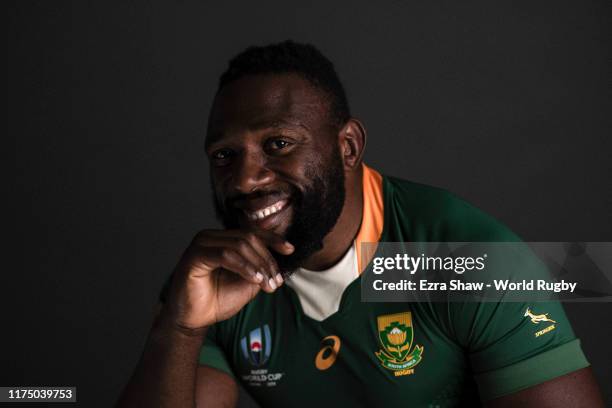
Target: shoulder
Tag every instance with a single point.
(429, 213)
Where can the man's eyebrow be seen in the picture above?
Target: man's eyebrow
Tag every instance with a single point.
(214, 136)
(279, 123)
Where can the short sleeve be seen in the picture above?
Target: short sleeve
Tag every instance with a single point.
(515, 344)
(511, 350)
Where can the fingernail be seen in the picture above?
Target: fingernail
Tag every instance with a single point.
(272, 283)
(279, 279)
(288, 245)
(258, 277)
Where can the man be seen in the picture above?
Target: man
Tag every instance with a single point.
(273, 301)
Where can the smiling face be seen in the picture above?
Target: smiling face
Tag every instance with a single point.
(275, 161)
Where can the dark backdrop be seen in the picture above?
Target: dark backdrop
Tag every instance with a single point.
(505, 104)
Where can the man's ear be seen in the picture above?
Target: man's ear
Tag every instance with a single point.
(352, 139)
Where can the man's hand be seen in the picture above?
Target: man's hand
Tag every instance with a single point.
(220, 272)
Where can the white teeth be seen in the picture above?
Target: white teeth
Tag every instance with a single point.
(264, 212)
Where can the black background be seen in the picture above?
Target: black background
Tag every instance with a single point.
(507, 104)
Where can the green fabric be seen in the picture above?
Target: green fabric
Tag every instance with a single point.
(538, 369)
(454, 345)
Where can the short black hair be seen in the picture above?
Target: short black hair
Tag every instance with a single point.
(292, 57)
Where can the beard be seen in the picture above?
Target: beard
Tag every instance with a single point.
(315, 212)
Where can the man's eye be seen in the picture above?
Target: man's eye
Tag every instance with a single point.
(222, 154)
(278, 144)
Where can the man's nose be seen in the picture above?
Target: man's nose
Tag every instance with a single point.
(251, 173)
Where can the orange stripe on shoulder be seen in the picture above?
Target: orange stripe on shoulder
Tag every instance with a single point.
(372, 220)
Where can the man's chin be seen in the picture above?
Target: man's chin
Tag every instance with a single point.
(303, 251)
(288, 264)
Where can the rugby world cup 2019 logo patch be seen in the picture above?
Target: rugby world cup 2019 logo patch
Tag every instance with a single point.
(396, 335)
(256, 349)
(257, 346)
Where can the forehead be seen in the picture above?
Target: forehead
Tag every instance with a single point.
(269, 100)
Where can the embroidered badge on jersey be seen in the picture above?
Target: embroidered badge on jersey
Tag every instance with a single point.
(539, 318)
(257, 348)
(396, 334)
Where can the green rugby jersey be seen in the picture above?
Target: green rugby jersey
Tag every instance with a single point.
(452, 354)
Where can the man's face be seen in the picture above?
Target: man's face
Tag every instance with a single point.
(275, 161)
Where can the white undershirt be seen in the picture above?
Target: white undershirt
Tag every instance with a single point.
(320, 291)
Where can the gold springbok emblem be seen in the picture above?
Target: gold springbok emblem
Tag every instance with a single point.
(537, 318)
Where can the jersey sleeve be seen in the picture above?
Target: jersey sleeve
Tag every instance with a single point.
(516, 343)
(508, 352)
(211, 353)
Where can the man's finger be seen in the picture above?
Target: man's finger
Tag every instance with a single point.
(250, 247)
(264, 252)
(229, 259)
(262, 241)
